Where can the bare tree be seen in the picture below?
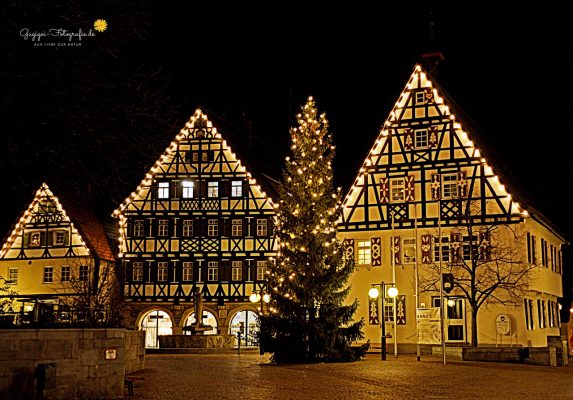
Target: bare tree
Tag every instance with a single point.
(487, 261)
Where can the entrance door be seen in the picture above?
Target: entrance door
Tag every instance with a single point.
(455, 318)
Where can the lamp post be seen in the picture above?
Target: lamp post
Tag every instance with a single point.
(373, 293)
(256, 297)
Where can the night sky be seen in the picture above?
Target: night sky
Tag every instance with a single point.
(91, 119)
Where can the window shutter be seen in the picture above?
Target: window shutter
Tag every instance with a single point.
(462, 184)
(433, 136)
(436, 187)
(27, 238)
(376, 252)
(408, 139)
(455, 246)
(42, 238)
(203, 186)
(410, 193)
(426, 249)
(485, 246)
(51, 238)
(349, 249)
(384, 192)
(396, 250)
(66, 238)
(224, 226)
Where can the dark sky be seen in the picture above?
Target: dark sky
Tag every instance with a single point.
(113, 104)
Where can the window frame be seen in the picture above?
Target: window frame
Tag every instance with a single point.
(212, 227)
(138, 228)
(187, 271)
(401, 187)
(236, 227)
(84, 273)
(419, 98)
(452, 191)
(364, 252)
(262, 266)
(162, 271)
(163, 190)
(187, 189)
(187, 228)
(13, 275)
(212, 271)
(262, 227)
(409, 243)
(137, 266)
(420, 140)
(66, 273)
(48, 276)
(237, 270)
(163, 228)
(236, 189)
(213, 189)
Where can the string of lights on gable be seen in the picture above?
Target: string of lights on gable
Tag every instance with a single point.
(198, 122)
(43, 192)
(419, 79)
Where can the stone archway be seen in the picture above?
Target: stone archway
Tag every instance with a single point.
(155, 322)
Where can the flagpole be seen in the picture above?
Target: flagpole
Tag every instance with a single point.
(393, 253)
(441, 283)
(416, 280)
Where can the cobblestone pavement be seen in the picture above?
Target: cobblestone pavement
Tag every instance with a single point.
(249, 376)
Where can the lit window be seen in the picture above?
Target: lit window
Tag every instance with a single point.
(237, 271)
(364, 252)
(541, 314)
(84, 273)
(66, 275)
(421, 138)
(163, 227)
(162, 271)
(262, 227)
(236, 189)
(528, 306)
(187, 189)
(137, 272)
(261, 269)
(213, 271)
(163, 190)
(409, 250)
(397, 189)
(450, 186)
(187, 270)
(13, 275)
(420, 98)
(35, 239)
(60, 238)
(138, 228)
(212, 189)
(188, 227)
(212, 227)
(48, 274)
(236, 227)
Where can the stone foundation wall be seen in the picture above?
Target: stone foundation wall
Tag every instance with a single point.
(67, 363)
(196, 341)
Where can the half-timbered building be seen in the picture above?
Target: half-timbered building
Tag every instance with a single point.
(430, 199)
(56, 255)
(199, 223)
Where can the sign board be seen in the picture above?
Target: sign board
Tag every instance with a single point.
(373, 313)
(428, 320)
(110, 354)
(503, 324)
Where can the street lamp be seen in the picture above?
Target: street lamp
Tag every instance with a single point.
(373, 293)
(256, 297)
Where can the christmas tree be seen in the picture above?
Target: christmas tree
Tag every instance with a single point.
(306, 320)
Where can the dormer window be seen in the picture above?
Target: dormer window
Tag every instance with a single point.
(421, 138)
(163, 190)
(420, 98)
(187, 189)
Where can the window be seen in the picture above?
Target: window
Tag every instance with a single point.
(364, 252)
(195, 156)
(13, 275)
(442, 249)
(35, 238)
(138, 228)
(551, 313)
(237, 271)
(421, 138)
(163, 190)
(531, 256)
(59, 239)
(409, 251)
(84, 273)
(543, 252)
(262, 227)
(212, 189)
(236, 189)
(450, 185)
(388, 309)
(163, 228)
(212, 271)
(236, 227)
(187, 227)
(541, 315)
(137, 272)
(162, 271)
(187, 189)
(187, 271)
(420, 98)
(528, 307)
(397, 189)
(66, 274)
(470, 250)
(48, 274)
(261, 269)
(212, 227)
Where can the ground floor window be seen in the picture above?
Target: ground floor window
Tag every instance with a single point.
(155, 323)
(208, 319)
(245, 322)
